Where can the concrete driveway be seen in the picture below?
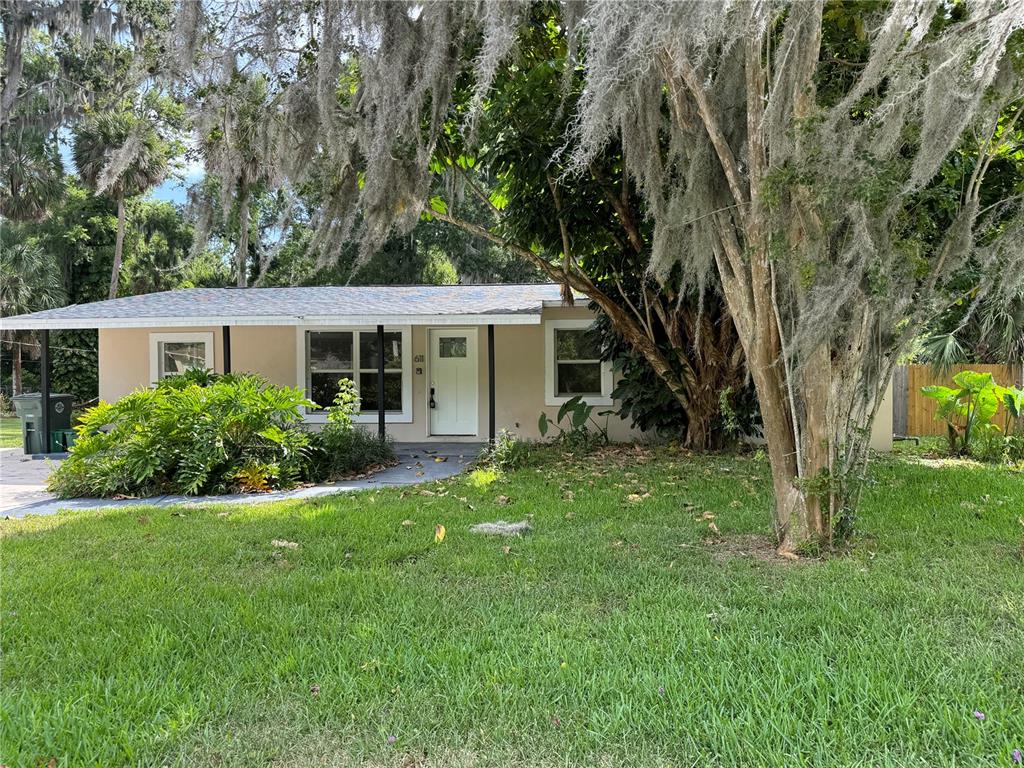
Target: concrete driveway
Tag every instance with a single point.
(23, 481)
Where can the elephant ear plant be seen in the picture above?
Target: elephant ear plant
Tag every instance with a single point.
(969, 407)
(1013, 402)
(581, 430)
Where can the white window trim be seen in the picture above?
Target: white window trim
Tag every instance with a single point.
(550, 396)
(390, 417)
(155, 340)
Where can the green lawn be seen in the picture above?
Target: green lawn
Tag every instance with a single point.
(618, 633)
(10, 432)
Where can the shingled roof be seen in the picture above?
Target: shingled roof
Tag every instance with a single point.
(319, 305)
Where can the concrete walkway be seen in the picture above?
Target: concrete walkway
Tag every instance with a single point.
(23, 481)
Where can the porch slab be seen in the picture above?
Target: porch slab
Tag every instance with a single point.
(23, 482)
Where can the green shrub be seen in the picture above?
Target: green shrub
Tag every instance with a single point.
(340, 448)
(508, 452)
(198, 433)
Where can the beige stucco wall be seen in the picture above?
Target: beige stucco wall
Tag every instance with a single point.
(124, 365)
(881, 428)
(124, 357)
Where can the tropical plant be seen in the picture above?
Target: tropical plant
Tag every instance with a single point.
(1013, 402)
(340, 448)
(576, 425)
(194, 433)
(29, 282)
(968, 408)
(990, 332)
(122, 153)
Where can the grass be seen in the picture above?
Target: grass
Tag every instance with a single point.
(10, 432)
(620, 632)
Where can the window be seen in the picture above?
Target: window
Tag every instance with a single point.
(573, 364)
(451, 346)
(174, 353)
(332, 355)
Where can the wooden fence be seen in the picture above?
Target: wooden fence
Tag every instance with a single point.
(914, 414)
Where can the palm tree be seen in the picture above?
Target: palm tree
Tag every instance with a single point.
(991, 332)
(33, 176)
(119, 153)
(29, 282)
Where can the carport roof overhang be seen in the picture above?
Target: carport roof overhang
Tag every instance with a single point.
(309, 306)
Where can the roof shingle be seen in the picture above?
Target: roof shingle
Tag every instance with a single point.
(317, 305)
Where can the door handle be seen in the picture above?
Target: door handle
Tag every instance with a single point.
(433, 403)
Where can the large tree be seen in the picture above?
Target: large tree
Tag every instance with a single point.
(785, 147)
(788, 149)
(121, 151)
(587, 231)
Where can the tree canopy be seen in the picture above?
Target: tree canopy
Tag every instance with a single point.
(818, 178)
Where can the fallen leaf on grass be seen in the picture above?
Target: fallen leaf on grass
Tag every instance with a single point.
(283, 544)
(506, 550)
(408, 523)
(713, 528)
(635, 497)
(439, 532)
(314, 689)
(503, 500)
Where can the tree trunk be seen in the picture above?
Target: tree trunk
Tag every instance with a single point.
(115, 270)
(242, 254)
(16, 368)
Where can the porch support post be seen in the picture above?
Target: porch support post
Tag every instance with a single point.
(226, 330)
(490, 383)
(380, 381)
(44, 385)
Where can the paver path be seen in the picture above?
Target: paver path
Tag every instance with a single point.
(23, 481)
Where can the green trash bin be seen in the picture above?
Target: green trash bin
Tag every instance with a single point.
(29, 408)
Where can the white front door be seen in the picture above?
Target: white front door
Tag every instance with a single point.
(454, 379)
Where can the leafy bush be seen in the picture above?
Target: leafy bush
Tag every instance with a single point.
(197, 433)
(968, 411)
(508, 452)
(580, 431)
(340, 448)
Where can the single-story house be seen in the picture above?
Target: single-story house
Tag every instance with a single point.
(460, 362)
